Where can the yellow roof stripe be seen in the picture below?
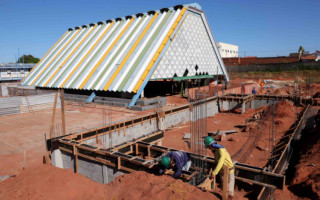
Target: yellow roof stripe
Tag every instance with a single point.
(130, 52)
(105, 54)
(84, 57)
(64, 62)
(45, 55)
(55, 56)
(157, 54)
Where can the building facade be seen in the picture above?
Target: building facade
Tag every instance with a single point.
(227, 50)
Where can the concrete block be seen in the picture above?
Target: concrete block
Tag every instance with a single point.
(56, 157)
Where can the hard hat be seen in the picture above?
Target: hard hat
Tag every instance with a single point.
(208, 141)
(165, 161)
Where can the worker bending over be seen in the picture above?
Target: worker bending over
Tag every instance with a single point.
(176, 160)
(222, 158)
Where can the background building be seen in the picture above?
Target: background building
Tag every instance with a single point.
(227, 50)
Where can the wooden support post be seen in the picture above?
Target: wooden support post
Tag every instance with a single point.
(124, 130)
(137, 149)
(119, 163)
(62, 112)
(53, 115)
(75, 151)
(149, 152)
(225, 183)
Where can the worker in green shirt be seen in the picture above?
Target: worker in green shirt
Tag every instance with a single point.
(222, 158)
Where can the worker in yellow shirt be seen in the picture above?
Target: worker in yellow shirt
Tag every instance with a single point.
(222, 158)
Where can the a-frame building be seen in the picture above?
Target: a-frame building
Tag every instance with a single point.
(124, 54)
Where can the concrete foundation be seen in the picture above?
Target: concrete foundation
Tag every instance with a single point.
(105, 174)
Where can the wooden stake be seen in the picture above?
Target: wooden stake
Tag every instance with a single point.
(149, 152)
(119, 163)
(62, 112)
(75, 150)
(53, 115)
(225, 184)
(137, 149)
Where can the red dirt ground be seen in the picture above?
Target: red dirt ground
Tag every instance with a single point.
(286, 116)
(306, 181)
(48, 182)
(25, 132)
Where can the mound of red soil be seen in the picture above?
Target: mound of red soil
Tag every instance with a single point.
(283, 109)
(176, 100)
(141, 185)
(48, 182)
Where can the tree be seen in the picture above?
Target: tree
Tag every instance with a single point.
(301, 51)
(28, 59)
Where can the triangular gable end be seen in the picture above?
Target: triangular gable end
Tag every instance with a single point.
(192, 49)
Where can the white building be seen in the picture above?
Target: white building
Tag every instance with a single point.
(228, 50)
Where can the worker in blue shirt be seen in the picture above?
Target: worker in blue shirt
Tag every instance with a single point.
(176, 160)
(254, 90)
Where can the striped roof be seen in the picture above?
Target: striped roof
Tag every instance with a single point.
(115, 55)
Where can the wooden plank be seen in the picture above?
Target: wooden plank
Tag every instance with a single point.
(206, 185)
(137, 149)
(119, 163)
(225, 184)
(53, 115)
(149, 152)
(75, 150)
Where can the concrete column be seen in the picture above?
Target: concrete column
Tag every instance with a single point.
(243, 107)
(142, 94)
(56, 157)
(105, 174)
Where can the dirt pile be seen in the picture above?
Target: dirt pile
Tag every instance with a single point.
(48, 182)
(141, 185)
(176, 100)
(284, 110)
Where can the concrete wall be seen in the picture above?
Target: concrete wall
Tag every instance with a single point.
(93, 170)
(136, 131)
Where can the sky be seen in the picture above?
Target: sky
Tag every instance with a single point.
(258, 27)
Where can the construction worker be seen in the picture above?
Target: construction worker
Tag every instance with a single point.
(254, 90)
(261, 87)
(176, 160)
(222, 158)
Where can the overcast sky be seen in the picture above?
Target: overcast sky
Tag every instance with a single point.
(260, 28)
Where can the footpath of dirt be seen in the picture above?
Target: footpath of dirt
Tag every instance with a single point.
(48, 182)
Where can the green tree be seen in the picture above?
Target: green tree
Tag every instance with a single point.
(28, 59)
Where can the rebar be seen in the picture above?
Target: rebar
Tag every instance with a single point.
(198, 130)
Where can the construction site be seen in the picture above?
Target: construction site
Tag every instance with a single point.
(95, 116)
